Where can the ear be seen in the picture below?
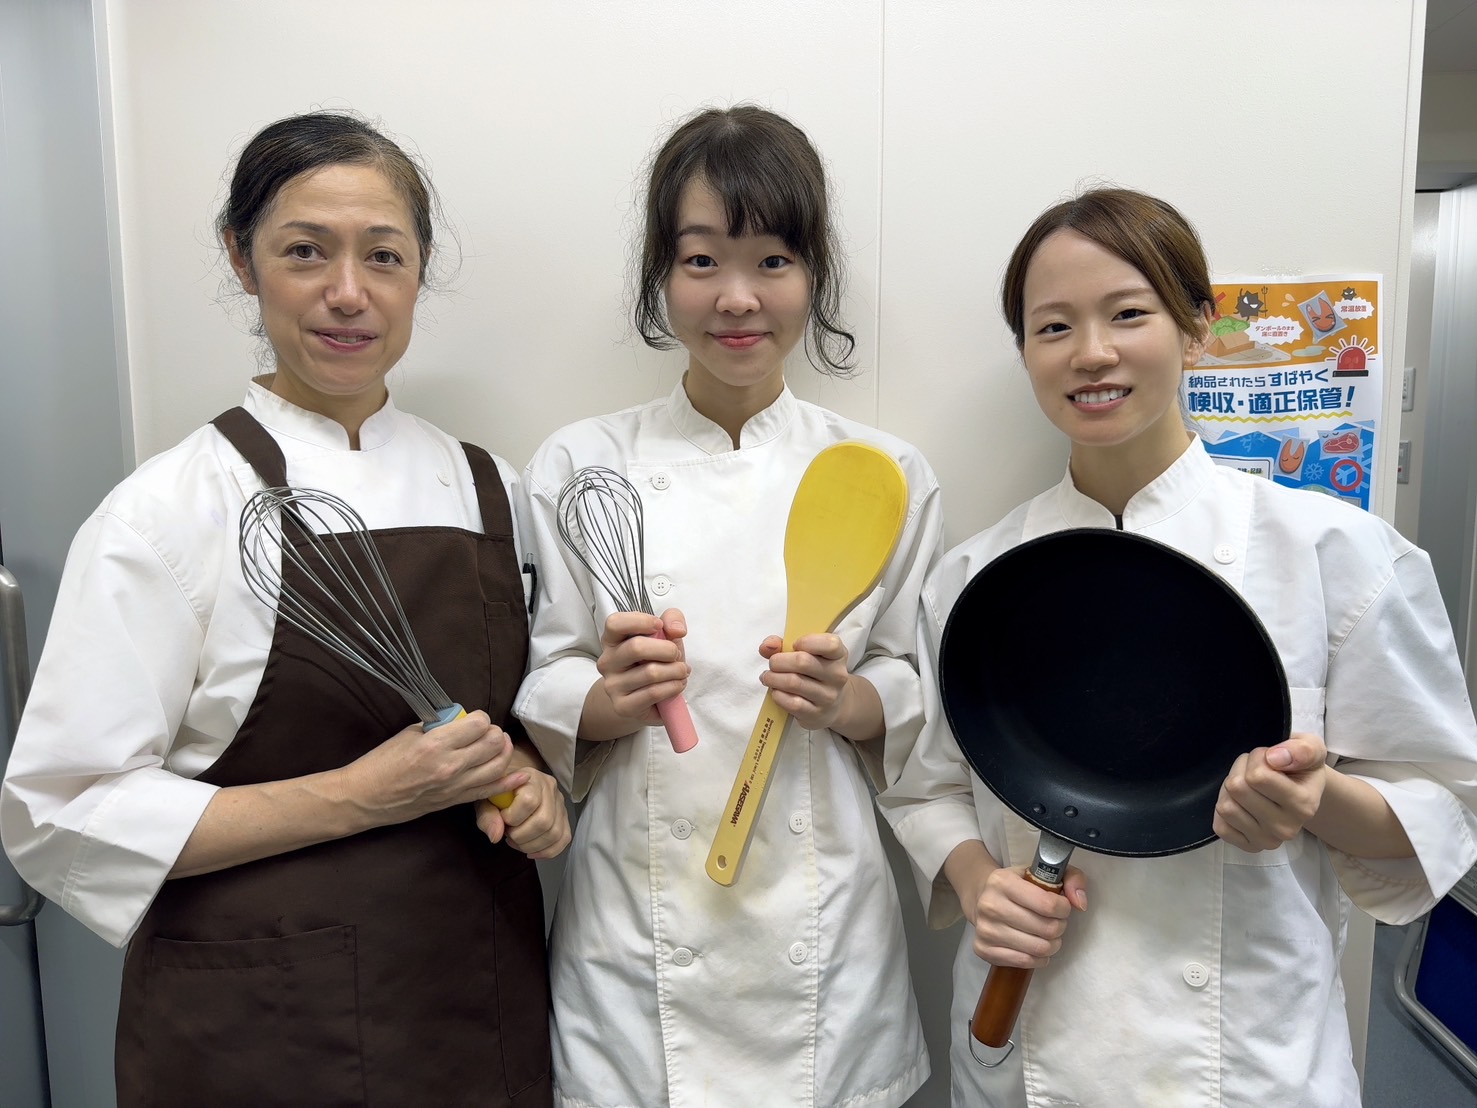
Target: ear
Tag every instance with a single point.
(239, 262)
(1195, 344)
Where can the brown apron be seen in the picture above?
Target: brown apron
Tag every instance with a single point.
(404, 966)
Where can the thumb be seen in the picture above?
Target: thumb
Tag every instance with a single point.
(1074, 888)
(1298, 753)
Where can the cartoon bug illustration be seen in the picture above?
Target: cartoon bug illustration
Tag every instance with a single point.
(1350, 293)
(1251, 305)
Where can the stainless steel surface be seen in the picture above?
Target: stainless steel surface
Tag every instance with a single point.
(17, 683)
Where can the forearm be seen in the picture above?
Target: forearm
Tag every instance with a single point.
(860, 717)
(1355, 819)
(599, 721)
(244, 823)
(966, 868)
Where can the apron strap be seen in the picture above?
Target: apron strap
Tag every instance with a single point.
(250, 438)
(492, 498)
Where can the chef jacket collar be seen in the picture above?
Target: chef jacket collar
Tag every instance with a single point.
(1155, 502)
(708, 437)
(286, 418)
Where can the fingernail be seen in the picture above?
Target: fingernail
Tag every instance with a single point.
(1279, 757)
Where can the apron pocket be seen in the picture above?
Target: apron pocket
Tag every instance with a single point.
(254, 1021)
(522, 980)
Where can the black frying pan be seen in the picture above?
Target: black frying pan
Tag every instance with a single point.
(1102, 684)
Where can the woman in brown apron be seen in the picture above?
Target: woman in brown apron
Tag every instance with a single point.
(320, 906)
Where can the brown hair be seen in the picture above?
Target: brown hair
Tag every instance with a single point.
(770, 180)
(1145, 232)
(285, 150)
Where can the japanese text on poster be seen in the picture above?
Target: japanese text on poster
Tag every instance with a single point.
(1289, 385)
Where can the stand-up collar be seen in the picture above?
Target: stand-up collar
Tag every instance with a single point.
(286, 418)
(707, 436)
(1155, 502)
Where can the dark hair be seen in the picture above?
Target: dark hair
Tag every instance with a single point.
(285, 150)
(1145, 232)
(770, 180)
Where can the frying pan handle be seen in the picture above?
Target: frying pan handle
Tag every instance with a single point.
(676, 718)
(1005, 990)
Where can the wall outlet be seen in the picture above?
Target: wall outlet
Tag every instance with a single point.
(1402, 463)
(1407, 389)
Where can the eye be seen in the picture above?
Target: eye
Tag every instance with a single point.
(1131, 313)
(699, 261)
(775, 261)
(1054, 329)
(302, 251)
(385, 257)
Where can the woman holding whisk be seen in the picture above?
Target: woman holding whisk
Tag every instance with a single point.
(669, 988)
(316, 912)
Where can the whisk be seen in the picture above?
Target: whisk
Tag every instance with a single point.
(599, 518)
(343, 598)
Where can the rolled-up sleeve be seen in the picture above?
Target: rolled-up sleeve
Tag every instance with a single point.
(929, 803)
(1395, 685)
(90, 814)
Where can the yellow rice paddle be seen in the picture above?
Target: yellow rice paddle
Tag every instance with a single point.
(844, 523)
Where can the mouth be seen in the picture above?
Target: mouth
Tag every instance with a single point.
(738, 340)
(1093, 397)
(349, 339)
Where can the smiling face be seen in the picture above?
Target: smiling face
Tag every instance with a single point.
(1105, 358)
(739, 306)
(335, 268)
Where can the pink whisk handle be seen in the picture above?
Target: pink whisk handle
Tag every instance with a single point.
(675, 717)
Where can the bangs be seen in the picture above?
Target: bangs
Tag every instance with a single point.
(762, 194)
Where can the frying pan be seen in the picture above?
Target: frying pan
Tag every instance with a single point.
(1101, 684)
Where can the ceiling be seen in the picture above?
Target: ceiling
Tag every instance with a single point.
(1451, 36)
(1451, 48)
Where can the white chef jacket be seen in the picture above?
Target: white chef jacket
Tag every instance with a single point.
(1211, 977)
(157, 646)
(791, 987)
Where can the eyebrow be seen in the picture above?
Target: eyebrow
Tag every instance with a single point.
(1120, 294)
(320, 229)
(697, 229)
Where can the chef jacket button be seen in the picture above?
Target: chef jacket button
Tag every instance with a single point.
(797, 952)
(1225, 554)
(660, 481)
(661, 586)
(443, 476)
(681, 828)
(798, 823)
(1196, 975)
(682, 956)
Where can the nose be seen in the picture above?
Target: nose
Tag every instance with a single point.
(346, 291)
(737, 294)
(1094, 348)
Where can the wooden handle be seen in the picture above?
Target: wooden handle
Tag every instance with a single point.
(676, 718)
(1003, 994)
(736, 825)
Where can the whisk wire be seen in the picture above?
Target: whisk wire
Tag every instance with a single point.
(599, 519)
(352, 611)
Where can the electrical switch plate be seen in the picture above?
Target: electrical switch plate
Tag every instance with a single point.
(1402, 463)
(1407, 390)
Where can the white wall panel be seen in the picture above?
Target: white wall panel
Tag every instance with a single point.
(534, 120)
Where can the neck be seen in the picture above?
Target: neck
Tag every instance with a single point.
(730, 406)
(349, 412)
(1114, 475)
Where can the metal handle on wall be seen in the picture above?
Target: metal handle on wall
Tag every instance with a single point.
(16, 664)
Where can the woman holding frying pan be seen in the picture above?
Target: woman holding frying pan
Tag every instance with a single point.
(313, 910)
(1210, 976)
(783, 987)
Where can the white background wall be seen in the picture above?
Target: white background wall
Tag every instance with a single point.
(1285, 132)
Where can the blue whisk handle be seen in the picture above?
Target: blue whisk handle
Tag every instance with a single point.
(445, 715)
